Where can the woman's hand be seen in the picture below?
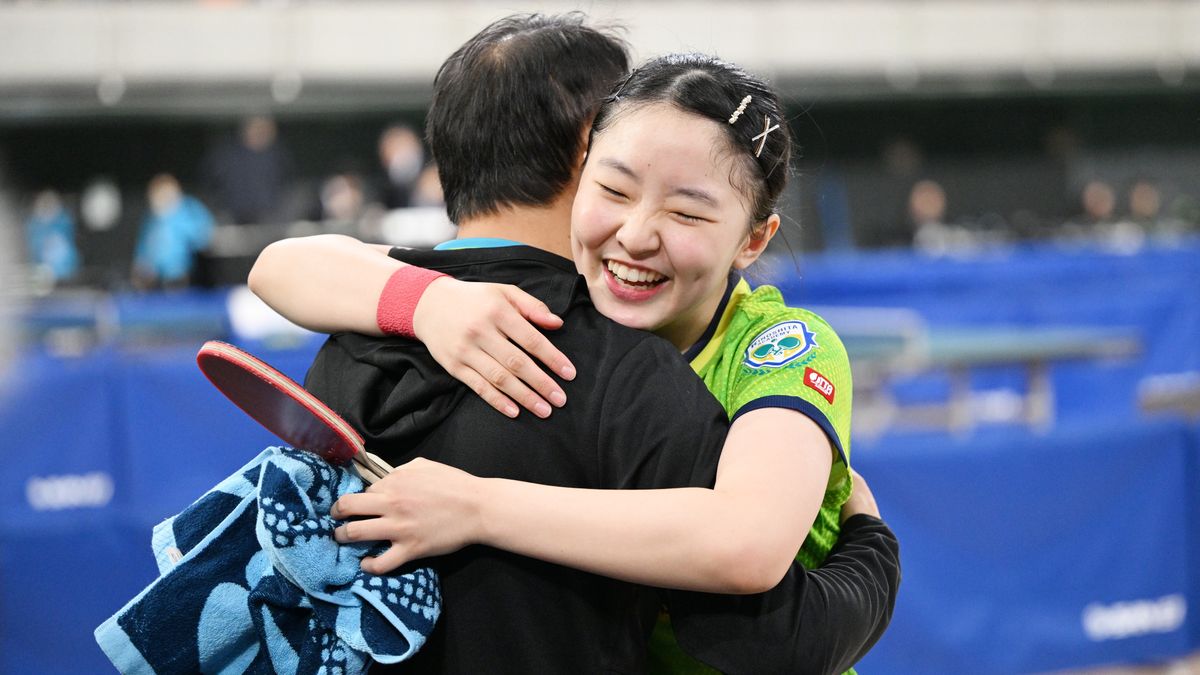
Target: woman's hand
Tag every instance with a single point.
(861, 499)
(476, 331)
(424, 508)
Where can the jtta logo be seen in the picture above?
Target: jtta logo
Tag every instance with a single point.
(780, 344)
(819, 383)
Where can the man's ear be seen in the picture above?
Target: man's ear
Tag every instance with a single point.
(757, 242)
(586, 134)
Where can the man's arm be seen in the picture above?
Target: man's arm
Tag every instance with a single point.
(815, 621)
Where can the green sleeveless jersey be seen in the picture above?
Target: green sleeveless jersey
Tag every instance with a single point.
(760, 353)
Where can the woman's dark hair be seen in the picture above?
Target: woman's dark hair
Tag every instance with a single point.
(510, 107)
(711, 88)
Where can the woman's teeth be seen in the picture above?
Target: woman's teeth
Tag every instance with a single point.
(631, 275)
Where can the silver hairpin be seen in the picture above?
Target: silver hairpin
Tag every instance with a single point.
(741, 109)
(767, 128)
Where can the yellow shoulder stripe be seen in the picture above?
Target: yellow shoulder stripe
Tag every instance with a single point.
(713, 348)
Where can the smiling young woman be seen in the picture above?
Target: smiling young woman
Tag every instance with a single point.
(658, 224)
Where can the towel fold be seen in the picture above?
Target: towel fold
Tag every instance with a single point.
(251, 580)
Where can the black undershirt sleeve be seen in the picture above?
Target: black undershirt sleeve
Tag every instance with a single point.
(815, 621)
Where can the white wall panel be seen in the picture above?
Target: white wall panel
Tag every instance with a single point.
(882, 44)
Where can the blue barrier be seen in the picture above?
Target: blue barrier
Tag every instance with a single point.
(101, 449)
(1025, 552)
(1192, 506)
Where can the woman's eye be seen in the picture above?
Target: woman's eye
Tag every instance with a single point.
(690, 218)
(610, 191)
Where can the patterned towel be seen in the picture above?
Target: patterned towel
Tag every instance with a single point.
(251, 580)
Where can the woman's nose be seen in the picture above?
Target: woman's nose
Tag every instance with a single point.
(638, 234)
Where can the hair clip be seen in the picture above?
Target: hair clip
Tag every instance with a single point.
(616, 95)
(767, 128)
(741, 108)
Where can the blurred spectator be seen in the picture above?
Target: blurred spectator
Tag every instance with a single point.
(902, 157)
(246, 177)
(1099, 203)
(175, 229)
(927, 213)
(879, 205)
(50, 236)
(1063, 149)
(402, 157)
(1145, 210)
(428, 189)
(1099, 222)
(927, 205)
(1145, 202)
(342, 201)
(100, 205)
(108, 233)
(424, 223)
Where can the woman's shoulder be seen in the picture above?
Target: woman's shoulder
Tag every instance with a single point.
(764, 312)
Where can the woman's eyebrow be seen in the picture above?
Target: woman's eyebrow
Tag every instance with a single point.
(694, 193)
(617, 164)
(690, 193)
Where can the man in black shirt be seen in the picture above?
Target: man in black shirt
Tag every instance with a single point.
(622, 431)
(507, 138)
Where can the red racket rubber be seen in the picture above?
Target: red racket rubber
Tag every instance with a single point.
(285, 408)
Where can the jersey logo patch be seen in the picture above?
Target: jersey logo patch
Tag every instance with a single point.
(819, 383)
(780, 345)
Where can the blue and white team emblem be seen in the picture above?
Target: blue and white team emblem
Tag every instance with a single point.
(779, 345)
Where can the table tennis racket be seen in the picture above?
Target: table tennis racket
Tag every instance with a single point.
(285, 408)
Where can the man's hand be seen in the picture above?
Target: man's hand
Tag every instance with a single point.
(423, 508)
(861, 500)
(477, 332)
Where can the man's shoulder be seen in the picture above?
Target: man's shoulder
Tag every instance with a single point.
(487, 262)
(544, 275)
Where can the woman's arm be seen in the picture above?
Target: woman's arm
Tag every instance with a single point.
(739, 537)
(325, 283)
(330, 283)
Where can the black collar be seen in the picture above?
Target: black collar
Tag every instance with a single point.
(694, 351)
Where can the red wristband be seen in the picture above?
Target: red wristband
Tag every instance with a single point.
(399, 299)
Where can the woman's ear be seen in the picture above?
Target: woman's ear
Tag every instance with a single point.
(757, 242)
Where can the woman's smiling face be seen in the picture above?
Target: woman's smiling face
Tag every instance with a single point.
(658, 222)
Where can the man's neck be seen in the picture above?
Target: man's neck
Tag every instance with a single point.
(544, 227)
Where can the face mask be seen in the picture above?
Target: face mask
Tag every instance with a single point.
(100, 206)
(405, 167)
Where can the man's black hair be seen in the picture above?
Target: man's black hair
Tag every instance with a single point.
(510, 108)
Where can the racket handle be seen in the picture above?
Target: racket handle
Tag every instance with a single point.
(370, 467)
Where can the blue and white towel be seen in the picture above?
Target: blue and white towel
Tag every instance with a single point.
(251, 580)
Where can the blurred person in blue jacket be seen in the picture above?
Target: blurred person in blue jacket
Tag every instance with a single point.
(50, 236)
(175, 229)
